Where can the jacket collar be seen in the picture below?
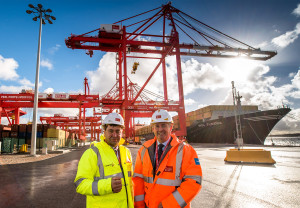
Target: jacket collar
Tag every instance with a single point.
(151, 146)
(104, 144)
(174, 141)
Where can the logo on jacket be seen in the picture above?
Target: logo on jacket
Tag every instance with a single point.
(112, 165)
(168, 169)
(197, 161)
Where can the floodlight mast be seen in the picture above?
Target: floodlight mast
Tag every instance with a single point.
(41, 14)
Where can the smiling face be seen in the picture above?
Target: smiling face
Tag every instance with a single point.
(162, 131)
(113, 135)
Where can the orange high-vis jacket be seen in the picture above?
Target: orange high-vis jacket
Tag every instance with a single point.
(177, 180)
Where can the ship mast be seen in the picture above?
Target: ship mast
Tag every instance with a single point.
(237, 109)
(245, 155)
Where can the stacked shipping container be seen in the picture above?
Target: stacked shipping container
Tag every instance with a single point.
(12, 137)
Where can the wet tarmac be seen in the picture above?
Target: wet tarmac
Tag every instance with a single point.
(238, 185)
(46, 183)
(49, 183)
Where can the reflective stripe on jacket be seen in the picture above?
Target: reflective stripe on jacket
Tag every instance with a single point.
(177, 179)
(96, 167)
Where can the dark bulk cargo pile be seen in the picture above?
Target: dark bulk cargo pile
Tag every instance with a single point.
(14, 136)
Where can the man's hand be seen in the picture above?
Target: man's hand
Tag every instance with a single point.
(116, 184)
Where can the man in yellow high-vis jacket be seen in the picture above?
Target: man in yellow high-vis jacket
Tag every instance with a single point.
(105, 170)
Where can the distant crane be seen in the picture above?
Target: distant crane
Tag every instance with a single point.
(54, 100)
(205, 41)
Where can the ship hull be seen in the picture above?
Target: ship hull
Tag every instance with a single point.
(255, 128)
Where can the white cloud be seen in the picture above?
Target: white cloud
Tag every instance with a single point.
(292, 74)
(201, 76)
(54, 49)
(26, 83)
(296, 80)
(287, 38)
(295, 86)
(250, 76)
(8, 68)
(104, 78)
(297, 11)
(289, 124)
(251, 79)
(11, 89)
(262, 45)
(47, 63)
(49, 90)
(189, 101)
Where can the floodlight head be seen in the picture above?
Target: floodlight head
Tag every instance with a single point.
(28, 11)
(31, 6)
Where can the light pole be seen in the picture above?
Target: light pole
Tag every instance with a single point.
(41, 13)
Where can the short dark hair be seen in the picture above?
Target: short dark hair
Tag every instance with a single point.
(106, 125)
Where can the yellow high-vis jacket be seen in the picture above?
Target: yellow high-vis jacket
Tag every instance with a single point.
(96, 168)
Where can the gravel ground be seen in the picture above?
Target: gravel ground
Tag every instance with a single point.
(6, 159)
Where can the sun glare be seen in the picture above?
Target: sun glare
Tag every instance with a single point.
(238, 69)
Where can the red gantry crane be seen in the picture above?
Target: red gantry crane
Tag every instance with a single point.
(92, 124)
(204, 41)
(12, 114)
(54, 100)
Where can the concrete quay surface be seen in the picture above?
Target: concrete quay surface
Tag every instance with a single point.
(49, 183)
(248, 185)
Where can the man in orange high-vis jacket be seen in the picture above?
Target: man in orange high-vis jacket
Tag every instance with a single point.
(167, 172)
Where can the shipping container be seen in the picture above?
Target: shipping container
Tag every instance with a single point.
(22, 134)
(29, 128)
(5, 134)
(15, 127)
(9, 145)
(39, 127)
(14, 134)
(22, 127)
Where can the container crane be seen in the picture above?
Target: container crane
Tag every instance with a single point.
(205, 41)
(54, 100)
(12, 114)
(92, 124)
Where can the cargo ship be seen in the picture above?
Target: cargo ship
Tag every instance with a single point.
(217, 124)
(220, 125)
(235, 124)
(227, 123)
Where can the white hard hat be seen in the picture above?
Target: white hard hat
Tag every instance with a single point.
(113, 118)
(160, 116)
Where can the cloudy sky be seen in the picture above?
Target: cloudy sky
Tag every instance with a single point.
(268, 24)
